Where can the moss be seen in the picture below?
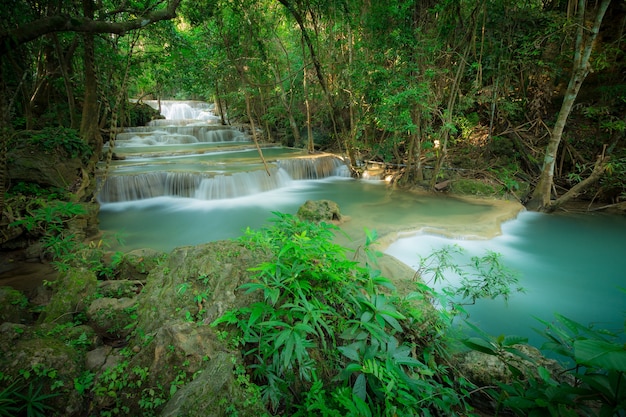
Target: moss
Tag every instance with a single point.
(77, 286)
(13, 305)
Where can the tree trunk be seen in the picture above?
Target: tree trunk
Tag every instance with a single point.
(598, 170)
(540, 199)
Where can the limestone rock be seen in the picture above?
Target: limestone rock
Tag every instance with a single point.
(28, 163)
(136, 264)
(112, 317)
(197, 281)
(320, 210)
(484, 370)
(50, 361)
(13, 306)
(214, 393)
(77, 285)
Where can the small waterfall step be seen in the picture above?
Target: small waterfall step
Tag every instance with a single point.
(137, 183)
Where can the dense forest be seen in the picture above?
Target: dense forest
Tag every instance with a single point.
(526, 98)
(527, 94)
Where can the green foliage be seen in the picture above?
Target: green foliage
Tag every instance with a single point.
(330, 336)
(482, 277)
(59, 138)
(127, 389)
(594, 382)
(29, 394)
(35, 191)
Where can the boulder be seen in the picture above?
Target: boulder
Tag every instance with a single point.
(112, 318)
(486, 370)
(13, 306)
(136, 264)
(215, 393)
(197, 283)
(320, 210)
(29, 163)
(45, 362)
(78, 286)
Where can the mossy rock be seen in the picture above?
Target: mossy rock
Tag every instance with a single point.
(136, 264)
(216, 393)
(44, 362)
(112, 317)
(13, 306)
(320, 210)
(211, 272)
(75, 287)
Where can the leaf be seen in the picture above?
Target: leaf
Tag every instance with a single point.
(480, 345)
(359, 389)
(514, 340)
(544, 374)
(350, 351)
(600, 354)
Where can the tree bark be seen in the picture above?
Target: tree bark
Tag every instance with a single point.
(84, 24)
(540, 200)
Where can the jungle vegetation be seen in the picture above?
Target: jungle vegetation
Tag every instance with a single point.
(529, 95)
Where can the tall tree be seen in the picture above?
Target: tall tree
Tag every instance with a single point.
(585, 40)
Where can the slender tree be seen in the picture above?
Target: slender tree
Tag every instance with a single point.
(585, 40)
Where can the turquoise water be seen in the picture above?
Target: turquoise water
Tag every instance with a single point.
(573, 265)
(568, 264)
(164, 223)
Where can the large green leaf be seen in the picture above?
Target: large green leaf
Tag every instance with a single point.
(600, 354)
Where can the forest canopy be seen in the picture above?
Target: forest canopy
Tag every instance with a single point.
(419, 86)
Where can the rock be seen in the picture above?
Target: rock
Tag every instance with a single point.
(95, 359)
(13, 306)
(119, 288)
(176, 343)
(136, 264)
(215, 393)
(29, 163)
(85, 225)
(320, 210)
(197, 280)
(9, 333)
(485, 370)
(77, 284)
(112, 318)
(49, 362)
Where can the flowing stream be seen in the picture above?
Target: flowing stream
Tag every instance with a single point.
(188, 180)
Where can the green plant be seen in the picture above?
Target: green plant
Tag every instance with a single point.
(68, 140)
(482, 277)
(593, 379)
(33, 401)
(29, 394)
(330, 335)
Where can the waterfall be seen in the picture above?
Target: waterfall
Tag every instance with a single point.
(215, 186)
(177, 135)
(185, 110)
(241, 184)
(148, 185)
(203, 160)
(314, 168)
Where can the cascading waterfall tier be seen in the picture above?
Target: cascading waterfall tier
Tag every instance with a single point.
(213, 186)
(181, 157)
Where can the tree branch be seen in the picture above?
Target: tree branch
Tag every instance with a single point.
(65, 23)
(597, 172)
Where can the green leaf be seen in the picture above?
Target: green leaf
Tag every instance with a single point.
(514, 340)
(480, 345)
(359, 389)
(600, 354)
(350, 351)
